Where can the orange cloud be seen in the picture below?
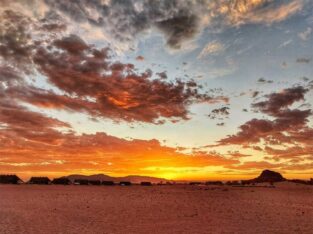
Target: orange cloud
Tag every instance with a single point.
(88, 77)
(239, 12)
(289, 130)
(92, 153)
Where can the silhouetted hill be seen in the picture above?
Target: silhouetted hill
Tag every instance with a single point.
(268, 176)
(100, 177)
(132, 178)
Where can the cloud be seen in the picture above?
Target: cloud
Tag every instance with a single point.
(140, 58)
(32, 141)
(212, 48)
(290, 152)
(255, 165)
(240, 12)
(237, 155)
(178, 29)
(220, 112)
(97, 152)
(305, 34)
(118, 91)
(255, 93)
(277, 102)
(264, 81)
(89, 78)
(285, 43)
(121, 22)
(286, 127)
(125, 20)
(15, 45)
(303, 60)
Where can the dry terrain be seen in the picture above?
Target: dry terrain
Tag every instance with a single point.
(288, 208)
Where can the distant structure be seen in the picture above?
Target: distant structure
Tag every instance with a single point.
(214, 183)
(108, 183)
(61, 180)
(233, 183)
(195, 183)
(81, 182)
(10, 179)
(307, 182)
(39, 180)
(94, 182)
(146, 183)
(125, 183)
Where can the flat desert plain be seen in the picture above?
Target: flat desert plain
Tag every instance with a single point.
(288, 208)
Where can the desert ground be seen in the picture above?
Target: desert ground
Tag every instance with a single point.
(287, 208)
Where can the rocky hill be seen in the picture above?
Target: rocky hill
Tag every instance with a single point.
(268, 176)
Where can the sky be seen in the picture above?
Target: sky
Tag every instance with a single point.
(178, 89)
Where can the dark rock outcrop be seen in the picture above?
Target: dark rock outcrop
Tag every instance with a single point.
(268, 176)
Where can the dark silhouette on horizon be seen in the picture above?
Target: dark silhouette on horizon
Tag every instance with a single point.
(10, 179)
(108, 183)
(125, 183)
(145, 183)
(39, 180)
(61, 180)
(266, 176)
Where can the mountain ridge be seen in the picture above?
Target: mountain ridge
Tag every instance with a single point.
(130, 178)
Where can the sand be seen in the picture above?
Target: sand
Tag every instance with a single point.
(288, 208)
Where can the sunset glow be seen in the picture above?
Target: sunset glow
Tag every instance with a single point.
(182, 90)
